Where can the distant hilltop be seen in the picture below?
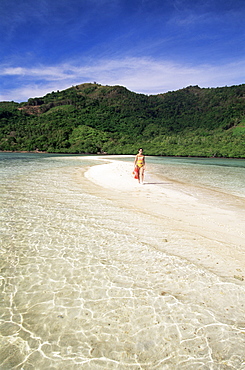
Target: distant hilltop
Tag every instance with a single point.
(92, 118)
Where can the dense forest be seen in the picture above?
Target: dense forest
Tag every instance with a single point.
(91, 118)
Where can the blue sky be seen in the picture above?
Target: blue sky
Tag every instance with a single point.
(148, 46)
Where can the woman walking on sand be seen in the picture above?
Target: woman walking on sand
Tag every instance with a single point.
(139, 163)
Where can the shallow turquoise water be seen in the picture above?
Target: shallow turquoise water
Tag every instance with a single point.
(83, 288)
(224, 174)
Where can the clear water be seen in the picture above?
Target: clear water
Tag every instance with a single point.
(83, 288)
(226, 175)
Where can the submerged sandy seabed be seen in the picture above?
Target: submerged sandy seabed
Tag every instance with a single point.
(202, 225)
(98, 272)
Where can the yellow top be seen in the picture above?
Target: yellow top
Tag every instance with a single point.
(140, 161)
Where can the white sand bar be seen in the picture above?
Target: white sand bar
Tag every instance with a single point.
(98, 272)
(201, 225)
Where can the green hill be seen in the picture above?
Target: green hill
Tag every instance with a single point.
(91, 118)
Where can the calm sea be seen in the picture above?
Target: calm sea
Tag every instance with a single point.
(82, 288)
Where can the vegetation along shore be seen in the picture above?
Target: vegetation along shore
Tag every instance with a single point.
(91, 118)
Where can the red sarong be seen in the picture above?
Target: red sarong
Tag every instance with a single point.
(136, 173)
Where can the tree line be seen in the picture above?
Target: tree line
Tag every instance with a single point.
(91, 118)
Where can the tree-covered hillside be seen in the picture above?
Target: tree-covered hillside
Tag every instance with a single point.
(91, 118)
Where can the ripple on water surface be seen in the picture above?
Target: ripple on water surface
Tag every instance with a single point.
(84, 286)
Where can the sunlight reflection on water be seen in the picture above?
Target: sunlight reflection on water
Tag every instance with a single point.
(84, 288)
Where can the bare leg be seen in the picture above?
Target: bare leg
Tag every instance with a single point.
(138, 175)
(141, 175)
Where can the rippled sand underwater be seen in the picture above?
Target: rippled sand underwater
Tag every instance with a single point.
(85, 285)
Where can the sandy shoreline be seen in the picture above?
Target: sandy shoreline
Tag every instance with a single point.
(98, 272)
(196, 225)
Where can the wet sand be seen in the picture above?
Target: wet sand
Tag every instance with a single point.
(98, 272)
(202, 225)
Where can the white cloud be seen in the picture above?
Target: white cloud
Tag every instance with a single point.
(140, 75)
(23, 93)
(47, 73)
(153, 77)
